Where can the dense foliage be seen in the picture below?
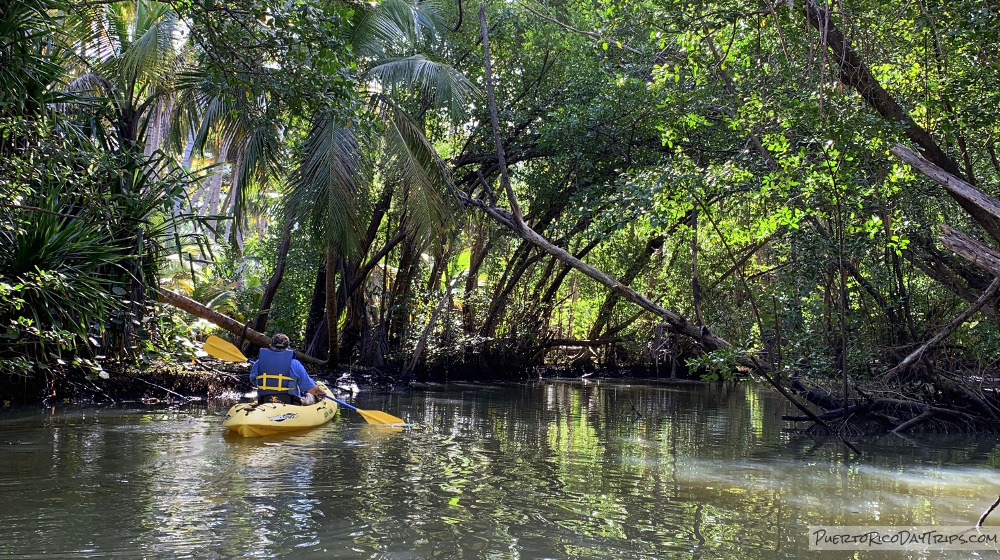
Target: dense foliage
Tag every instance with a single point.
(320, 168)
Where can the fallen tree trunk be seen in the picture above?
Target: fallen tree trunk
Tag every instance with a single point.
(679, 323)
(971, 249)
(185, 303)
(940, 268)
(967, 247)
(982, 207)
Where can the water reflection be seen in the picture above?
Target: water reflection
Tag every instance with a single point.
(549, 470)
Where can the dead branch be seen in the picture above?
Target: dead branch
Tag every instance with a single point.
(924, 416)
(161, 387)
(982, 207)
(971, 249)
(944, 332)
(989, 511)
(876, 409)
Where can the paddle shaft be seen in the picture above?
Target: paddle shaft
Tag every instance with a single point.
(342, 403)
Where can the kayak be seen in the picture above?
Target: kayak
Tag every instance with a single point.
(253, 420)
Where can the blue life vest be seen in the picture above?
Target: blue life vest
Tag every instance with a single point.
(273, 373)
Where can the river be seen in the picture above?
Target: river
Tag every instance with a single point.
(552, 469)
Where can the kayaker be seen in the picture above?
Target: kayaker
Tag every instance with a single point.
(280, 378)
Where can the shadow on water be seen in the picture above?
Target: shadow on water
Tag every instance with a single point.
(555, 469)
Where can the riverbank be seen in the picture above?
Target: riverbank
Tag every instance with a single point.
(161, 382)
(208, 379)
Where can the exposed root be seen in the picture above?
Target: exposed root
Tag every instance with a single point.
(883, 408)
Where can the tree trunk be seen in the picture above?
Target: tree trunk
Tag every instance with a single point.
(971, 249)
(185, 303)
(422, 343)
(944, 332)
(902, 292)
(695, 286)
(260, 323)
(984, 208)
(188, 151)
(355, 276)
(515, 269)
(680, 324)
(439, 266)
(215, 182)
(316, 345)
(401, 291)
(938, 267)
(637, 265)
(332, 311)
(355, 308)
(317, 304)
(480, 248)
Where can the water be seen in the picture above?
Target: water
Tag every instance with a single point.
(546, 470)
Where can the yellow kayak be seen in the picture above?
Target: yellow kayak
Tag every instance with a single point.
(253, 420)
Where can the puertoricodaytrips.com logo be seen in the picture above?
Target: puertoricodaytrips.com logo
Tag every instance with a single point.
(904, 538)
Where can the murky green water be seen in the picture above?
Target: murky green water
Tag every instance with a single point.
(548, 470)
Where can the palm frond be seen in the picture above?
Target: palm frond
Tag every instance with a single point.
(150, 53)
(428, 17)
(117, 30)
(395, 26)
(31, 56)
(257, 159)
(215, 111)
(384, 25)
(90, 83)
(444, 85)
(325, 191)
(185, 120)
(413, 160)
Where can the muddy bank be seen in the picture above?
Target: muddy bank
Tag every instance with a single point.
(162, 382)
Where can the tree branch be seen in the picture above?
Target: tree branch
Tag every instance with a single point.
(944, 332)
(494, 119)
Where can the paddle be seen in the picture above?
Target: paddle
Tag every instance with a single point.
(226, 351)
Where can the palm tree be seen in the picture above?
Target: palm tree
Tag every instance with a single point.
(335, 181)
(129, 52)
(241, 126)
(30, 58)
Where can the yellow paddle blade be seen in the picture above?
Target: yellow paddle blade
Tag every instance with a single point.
(379, 417)
(223, 350)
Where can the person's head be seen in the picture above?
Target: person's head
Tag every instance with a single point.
(280, 342)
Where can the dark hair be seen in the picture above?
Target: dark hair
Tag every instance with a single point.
(280, 341)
